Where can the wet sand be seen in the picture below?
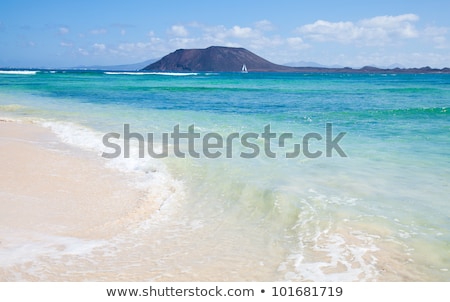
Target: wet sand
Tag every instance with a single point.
(51, 190)
(65, 216)
(47, 186)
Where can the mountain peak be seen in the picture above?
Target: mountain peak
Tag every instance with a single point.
(214, 59)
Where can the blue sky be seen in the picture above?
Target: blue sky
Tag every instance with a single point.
(61, 33)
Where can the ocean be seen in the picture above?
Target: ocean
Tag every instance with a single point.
(326, 177)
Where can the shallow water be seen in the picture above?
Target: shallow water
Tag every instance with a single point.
(380, 213)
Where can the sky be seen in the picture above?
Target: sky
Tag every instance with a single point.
(52, 34)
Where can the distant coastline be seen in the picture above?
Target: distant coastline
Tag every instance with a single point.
(322, 70)
(231, 59)
(371, 69)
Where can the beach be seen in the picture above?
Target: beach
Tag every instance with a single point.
(66, 217)
(50, 190)
(68, 213)
(47, 187)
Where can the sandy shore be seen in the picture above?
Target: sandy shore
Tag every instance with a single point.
(49, 187)
(65, 216)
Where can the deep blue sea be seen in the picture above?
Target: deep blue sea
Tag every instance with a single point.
(381, 212)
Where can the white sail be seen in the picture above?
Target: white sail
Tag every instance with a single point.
(244, 68)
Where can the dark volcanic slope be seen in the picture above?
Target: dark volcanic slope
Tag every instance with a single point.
(215, 59)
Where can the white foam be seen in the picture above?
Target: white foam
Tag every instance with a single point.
(177, 74)
(151, 73)
(146, 173)
(339, 252)
(325, 252)
(20, 248)
(19, 72)
(344, 261)
(125, 73)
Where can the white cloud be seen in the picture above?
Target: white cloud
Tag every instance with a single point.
(142, 50)
(241, 32)
(374, 31)
(409, 44)
(63, 30)
(297, 43)
(264, 25)
(389, 21)
(65, 44)
(99, 47)
(220, 32)
(435, 31)
(256, 38)
(83, 52)
(197, 35)
(263, 42)
(123, 32)
(129, 47)
(398, 26)
(438, 35)
(329, 31)
(99, 31)
(178, 30)
(180, 42)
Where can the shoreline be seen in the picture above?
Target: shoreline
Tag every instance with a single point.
(57, 202)
(68, 215)
(52, 187)
(52, 194)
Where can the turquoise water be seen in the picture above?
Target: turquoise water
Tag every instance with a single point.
(380, 213)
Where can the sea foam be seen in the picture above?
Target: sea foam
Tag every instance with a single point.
(147, 174)
(19, 72)
(151, 73)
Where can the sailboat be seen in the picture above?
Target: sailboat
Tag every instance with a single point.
(244, 69)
